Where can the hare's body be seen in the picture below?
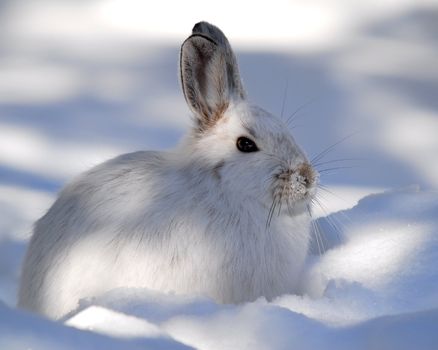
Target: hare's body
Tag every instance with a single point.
(90, 244)
(206, 218)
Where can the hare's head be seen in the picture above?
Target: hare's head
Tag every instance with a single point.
(247, 152)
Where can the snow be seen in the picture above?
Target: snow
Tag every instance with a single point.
(19, 330)
(376, 287)
(73, 95)
(109, 322)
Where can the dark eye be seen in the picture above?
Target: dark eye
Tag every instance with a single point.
(244, 144)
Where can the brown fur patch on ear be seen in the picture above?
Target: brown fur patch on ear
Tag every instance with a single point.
(209, 119)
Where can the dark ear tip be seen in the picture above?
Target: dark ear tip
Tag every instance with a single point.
(197, 28)
(200, 27)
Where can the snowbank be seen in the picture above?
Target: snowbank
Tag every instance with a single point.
(375, 287)
(19, 330)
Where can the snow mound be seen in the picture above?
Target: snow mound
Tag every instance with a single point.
(109, 322)
(374, 287)
(20, 330)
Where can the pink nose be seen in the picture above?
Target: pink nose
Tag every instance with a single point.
(305, 170)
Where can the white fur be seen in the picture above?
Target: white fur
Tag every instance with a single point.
(193, 220)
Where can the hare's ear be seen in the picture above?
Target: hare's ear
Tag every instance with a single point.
(232, 68)
(209, 74)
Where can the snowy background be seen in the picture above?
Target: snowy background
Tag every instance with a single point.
(83, 81)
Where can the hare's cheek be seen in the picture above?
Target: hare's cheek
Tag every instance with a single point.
(217, 170)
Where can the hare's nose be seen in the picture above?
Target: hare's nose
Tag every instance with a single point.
(307, 174)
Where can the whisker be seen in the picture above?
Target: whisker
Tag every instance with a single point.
(342, 225)
(280, 201)
(328, 149)
(273, 156)
(315, 231)
(284, 97)
(271, 212)
(292, 127)
(318, 235)
(335, 225)
(322, 171)
(324, 188)
(335, 229)
(269, 178)
(289, 207)
(345, 216)
(338, 161)
(293, 116)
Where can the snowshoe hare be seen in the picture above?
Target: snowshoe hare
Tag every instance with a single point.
(224, 215)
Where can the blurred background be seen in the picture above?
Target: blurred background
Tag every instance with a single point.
(83, 81)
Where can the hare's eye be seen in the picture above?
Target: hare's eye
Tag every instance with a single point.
(244, 144)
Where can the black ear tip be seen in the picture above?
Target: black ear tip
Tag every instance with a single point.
(197, 27)
(203, 28)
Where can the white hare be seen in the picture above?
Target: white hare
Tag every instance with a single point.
(224, 215)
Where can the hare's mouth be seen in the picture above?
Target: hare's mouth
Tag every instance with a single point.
(292, 199)
(293, 185)
(292, 191)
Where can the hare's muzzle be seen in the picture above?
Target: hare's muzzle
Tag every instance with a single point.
(293, 184)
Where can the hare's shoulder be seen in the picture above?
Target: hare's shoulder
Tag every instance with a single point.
(123, 176)
(125, 168)
(133, 161)
(109, 191)
(112, 187)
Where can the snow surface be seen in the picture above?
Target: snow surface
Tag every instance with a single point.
(84, 81)
(377, 287)
(19, 330)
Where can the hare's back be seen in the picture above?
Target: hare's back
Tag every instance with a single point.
(110, 190)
